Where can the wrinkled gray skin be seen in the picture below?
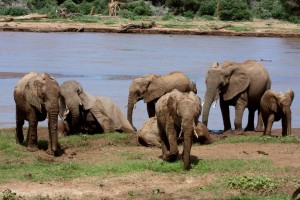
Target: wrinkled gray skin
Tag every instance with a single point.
(148, 135)
(177, 115)
(84, 112)
(275, 106)
(236, 84)
(151, 87)
(36, 97)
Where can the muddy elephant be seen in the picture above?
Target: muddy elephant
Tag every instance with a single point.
(36, 97)
(91, 114)
(151, 87)
(177, 115)
(236, 84)
(148, 135)
(275, 106)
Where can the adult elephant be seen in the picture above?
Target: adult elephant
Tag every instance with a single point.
(36, 97)
(177, 114)
(151, 87)
(84, 112)
(276, 106)
(237, 84)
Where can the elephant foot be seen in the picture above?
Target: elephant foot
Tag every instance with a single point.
(50, 152)
(32, 148)
(239, 132)
(228, 131)
(259, 130)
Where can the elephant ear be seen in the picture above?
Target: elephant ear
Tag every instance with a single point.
(238, 82)
(270, 101)
(88, 101)
(155, 89)
(32, 93)
(172, 105)
(63, 111)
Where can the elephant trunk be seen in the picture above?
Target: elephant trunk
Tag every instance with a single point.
(74, 112)
(208, 99)
(130, 105)
(53, 111)
(188, 132)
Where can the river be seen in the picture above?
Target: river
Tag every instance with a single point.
(106, 63)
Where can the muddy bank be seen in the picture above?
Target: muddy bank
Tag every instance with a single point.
(257, 30)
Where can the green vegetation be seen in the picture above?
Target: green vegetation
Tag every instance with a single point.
(135, 9)
(261, 139)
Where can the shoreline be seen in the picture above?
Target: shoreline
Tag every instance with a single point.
(46, 27)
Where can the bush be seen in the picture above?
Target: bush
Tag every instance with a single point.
(85, 8)
(37, 5)
(138, 8)
(208, 7)
(234, 10)
(70, 6)
(168, 16)
(100, 6)
(14, 11)
(270, 9)
(189, 14)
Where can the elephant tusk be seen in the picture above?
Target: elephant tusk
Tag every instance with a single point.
(196, 134)
(202, 104)
(180, 133)
(215, 103)
(134, 106)
(126, 106)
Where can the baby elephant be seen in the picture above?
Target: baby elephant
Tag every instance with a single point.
(275, 106)
(177, 115)
(148, 135)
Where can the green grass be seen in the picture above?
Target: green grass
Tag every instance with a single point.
(260, 139)
(240, 28)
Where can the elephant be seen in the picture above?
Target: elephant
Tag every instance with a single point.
(36, 97)
(148, 135)
(177, 114)
(91, 114)
(275, 106)
(151, 87)
(236, 84)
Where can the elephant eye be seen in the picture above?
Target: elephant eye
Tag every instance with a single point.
(78, 91)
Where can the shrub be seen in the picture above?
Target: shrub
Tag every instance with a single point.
(234, 10)
(189, 14)
(100, 6)
(138, 8)
(168, 16)
(14, 11)
(270, 9)
(208, 7)
(70, 6)
(85, 8)
(37, 5)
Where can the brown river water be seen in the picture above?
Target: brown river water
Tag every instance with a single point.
(105, 64)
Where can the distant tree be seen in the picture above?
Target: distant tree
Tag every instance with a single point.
(292, 6)
(233, 10)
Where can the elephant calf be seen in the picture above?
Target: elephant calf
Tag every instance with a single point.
(148, 135)
(177, 115)
(275, 106)
(84, 112)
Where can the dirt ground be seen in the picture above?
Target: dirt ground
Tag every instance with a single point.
(143, 184)
(255, 28)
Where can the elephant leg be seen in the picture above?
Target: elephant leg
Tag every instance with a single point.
(151, 109)
(172, 137)
(239, 110)
(259, 126)
(269, 124)
(226, 115)
(250, 124)
(164, 142)
(187, 151)
(32, 135)
(19, 127)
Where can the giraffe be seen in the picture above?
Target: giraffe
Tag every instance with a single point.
(113, 6)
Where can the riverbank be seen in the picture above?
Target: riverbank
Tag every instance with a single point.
(180, 26)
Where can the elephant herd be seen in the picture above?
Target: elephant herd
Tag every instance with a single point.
(172, 104)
